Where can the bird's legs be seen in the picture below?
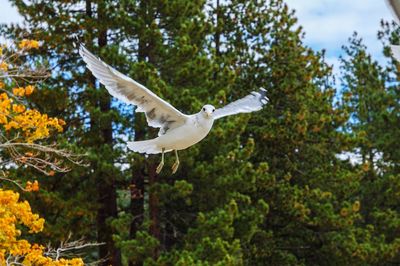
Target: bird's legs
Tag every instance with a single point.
(176, 164)
(160, 166)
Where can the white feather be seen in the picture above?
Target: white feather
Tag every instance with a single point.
(178, 131)
(394, 6)
(395, 51)
(252, 102)
(158, 112)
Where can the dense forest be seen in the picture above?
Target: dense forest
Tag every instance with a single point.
(312, 179)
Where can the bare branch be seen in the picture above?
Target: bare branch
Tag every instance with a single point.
(69, 246)
(43, 158)
(12, 181)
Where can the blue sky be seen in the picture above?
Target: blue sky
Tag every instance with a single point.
(8, 13)
(327, 23)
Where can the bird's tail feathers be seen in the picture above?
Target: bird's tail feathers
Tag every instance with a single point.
(145, 146)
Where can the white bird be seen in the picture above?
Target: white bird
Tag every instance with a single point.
(394, 6)
(177, 130)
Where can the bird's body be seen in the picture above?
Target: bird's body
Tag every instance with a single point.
(194, 130)
(177, 130)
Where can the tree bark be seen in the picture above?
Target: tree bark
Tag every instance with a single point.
(106, 187)
(217, 36)
(137, 189)
(146, 53)
(137, 186)
(154, 209)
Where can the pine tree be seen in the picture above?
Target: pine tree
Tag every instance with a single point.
(262, 188)
(87, 109)
(374, 101)
(242, 191)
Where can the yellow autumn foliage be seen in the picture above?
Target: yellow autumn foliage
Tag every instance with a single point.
(3, 66)
(22, 124)
(32, 186)
(28, 44)
(31, 123)
(14, 213)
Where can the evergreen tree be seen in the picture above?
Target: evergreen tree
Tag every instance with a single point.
(374, 103)
(261, 189)
(155, 41)
(90, 198)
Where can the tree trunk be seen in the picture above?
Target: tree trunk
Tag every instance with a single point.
(138, 173)
(154, 209)
(107, 196)
(218, 30)
(217, 37)
(137, 189)
(146, 53)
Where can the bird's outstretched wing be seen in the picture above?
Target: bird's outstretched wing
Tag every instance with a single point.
(394, 6)
(395, 51)
(159, 113)
(252, 102)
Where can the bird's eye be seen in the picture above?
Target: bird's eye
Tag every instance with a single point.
(204, 109)
(213, 110)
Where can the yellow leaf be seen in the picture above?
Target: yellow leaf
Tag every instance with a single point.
(29, 89)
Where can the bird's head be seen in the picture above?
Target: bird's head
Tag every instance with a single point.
(207, 111)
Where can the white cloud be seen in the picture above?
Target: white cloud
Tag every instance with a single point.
(329, 23)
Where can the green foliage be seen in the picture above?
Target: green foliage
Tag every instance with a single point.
(262, 189)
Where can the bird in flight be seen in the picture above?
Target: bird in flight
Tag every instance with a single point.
(394, 6)
(178, 131)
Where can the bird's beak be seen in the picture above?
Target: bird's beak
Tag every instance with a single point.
(208, 114)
